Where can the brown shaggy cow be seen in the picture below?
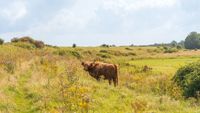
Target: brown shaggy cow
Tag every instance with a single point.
(98, 69)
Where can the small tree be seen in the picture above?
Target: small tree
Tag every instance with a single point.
(192, 41)
(1, 41)
(74, 45)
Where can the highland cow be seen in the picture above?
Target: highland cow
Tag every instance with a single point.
(98, 69)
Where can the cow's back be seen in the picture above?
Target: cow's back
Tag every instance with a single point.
(108, 70)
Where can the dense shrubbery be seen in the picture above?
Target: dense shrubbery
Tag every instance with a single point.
(188, 78)
(26, 39)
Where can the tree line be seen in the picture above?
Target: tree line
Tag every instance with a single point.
(192, 41)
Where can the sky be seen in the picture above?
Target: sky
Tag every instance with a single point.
(95, 22)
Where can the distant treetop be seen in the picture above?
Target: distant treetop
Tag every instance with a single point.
(74, 45)
(192, 41)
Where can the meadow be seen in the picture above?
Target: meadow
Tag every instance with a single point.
(52, 80)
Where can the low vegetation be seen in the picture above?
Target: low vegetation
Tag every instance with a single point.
(52, 80)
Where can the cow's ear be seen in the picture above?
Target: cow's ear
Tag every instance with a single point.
(82, 63)
(91, 65)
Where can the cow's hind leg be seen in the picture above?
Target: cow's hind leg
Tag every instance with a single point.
(110, 81)
(115, 81)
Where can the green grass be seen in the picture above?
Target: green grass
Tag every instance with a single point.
(165, 65)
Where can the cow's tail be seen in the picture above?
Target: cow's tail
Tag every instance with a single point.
(116, 73)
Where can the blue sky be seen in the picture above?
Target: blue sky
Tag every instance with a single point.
(94, 22)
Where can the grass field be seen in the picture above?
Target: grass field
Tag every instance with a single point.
(165, 65)
(52, 80)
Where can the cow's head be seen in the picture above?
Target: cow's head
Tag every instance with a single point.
(87, 65)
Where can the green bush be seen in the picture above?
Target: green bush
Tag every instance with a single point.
(170, 50)
(10, 66)
(60, 52)
(103, 51)
(24, 45)
(188, 78)
(75, 54)
(103, 55)
(117, 53)
(131, 54)
(64, 52)
(127, 48)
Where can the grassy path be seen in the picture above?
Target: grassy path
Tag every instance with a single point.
(21, 95)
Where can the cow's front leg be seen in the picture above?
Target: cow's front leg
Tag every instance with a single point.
(115, 82)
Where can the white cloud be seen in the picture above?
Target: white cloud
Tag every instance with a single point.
(71, 20)
(134, 5)
(14, 11)
(87, 21)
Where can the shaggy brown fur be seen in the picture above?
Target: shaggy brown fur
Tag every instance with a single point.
(98, 69)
